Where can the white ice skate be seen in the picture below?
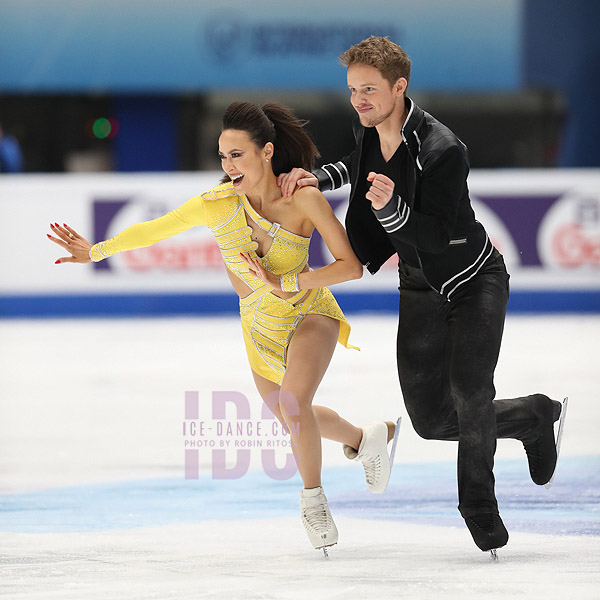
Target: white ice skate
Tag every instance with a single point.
(317, 519)
(372, 453)
(559, 435)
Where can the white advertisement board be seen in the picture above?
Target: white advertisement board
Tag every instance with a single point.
(546, 223)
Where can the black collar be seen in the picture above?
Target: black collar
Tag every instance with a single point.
(411, 127)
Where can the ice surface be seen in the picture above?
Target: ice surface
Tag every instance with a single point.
(94, 503)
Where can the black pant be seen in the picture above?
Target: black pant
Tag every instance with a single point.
(447, 354)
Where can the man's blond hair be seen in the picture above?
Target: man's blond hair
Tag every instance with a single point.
(383, 54)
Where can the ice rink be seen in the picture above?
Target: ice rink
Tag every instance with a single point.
(94, 502)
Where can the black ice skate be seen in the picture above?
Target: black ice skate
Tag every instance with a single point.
(542, 453)
(559, 435)
(488, 532)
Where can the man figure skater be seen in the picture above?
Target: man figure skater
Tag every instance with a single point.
(409, 196)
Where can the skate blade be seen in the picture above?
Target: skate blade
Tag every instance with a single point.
(494, 554)
(559, 436)
(326, 550)
(395, 443)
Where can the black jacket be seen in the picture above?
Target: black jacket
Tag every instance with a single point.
(435, 218)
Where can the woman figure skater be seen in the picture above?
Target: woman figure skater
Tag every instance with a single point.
(290, 320)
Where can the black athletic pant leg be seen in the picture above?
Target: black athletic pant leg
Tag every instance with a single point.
(447, 354)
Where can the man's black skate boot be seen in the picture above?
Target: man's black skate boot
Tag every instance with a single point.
(541, 452)
(488, 531)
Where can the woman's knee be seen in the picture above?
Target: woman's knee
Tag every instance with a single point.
(292, 405)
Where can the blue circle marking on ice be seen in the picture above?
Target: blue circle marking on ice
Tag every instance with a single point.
(419, 493)
(427, 494)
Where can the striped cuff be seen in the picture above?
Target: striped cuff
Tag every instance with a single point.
(393, 216)
(332, 176)
(96, 254)
(289, 282)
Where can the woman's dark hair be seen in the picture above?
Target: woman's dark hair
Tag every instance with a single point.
(278, 124)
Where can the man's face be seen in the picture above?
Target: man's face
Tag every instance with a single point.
(372, 96)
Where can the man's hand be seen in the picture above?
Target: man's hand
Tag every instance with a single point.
(381, 190)
(296, 178)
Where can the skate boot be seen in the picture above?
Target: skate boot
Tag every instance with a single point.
(372, 453)
(317, 519)
(488, 532)
(542, 451)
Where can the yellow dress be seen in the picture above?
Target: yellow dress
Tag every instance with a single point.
(268, 322)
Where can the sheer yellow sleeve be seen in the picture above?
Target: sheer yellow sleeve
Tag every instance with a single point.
(147, 233)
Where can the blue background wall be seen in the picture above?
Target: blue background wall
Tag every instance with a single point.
(562, 51)
(169, 48)
(157, 46)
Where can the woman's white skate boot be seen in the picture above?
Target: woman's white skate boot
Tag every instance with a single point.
(317, 519)
(373, 454)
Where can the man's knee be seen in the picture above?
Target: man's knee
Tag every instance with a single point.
(426, 429)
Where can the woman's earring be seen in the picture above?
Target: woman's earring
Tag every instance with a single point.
(267, 160)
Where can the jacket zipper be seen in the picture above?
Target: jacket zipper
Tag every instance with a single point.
(414, 167)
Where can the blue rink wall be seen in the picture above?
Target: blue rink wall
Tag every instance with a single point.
(154, 305)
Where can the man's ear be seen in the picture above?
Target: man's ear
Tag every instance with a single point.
(400, 86)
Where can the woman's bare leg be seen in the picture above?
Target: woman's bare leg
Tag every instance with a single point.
(331, 425)
(309, 354)
(308, 357)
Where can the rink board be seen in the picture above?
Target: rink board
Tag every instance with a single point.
(545, 223)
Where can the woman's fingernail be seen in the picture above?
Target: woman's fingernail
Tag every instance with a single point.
(57, 262)
(49, 235)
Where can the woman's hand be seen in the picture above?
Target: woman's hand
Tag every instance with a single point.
(72, 242)
(257, 270)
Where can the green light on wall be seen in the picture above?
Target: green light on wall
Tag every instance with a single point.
(105, 128)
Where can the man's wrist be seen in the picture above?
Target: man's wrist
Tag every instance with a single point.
(394, 215)
(386, 209)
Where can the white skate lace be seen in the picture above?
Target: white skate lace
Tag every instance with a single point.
(318, 518)
(372, 466)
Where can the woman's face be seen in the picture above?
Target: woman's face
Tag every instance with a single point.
(242, 160)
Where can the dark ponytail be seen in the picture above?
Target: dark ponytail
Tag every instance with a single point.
(277, 124)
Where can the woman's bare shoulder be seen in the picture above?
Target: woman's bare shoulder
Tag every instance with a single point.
(308, 194)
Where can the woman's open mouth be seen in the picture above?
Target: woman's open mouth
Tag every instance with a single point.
(236, 179)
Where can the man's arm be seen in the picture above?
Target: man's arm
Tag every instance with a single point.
(441, 190)
(328, 177)
(334, 175)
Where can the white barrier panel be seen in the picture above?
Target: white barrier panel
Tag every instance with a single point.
(546, 223)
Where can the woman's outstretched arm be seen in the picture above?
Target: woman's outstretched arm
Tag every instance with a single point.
(140, 235)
